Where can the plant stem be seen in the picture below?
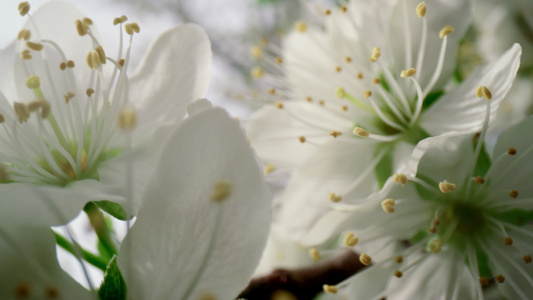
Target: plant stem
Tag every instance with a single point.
(94, 260)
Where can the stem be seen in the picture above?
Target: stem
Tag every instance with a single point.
(94, 260)
(96, 217)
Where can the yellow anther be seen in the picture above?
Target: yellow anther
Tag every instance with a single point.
(127, 119)
(330, 289)
(70, 64)
(527, 258)
(121, 62)
(483, 91)
(257, 72)
(101, 54)
(479, 91)
(350, 240)
(360, 132)
(123, 18)
(2, 119)
(408, 73)
(81, 27)
(376, 53)
(24, 34)
(334, 197)
(301, 139)
(309, 99)
(327, 12)
(279, 105)
(365, 259)
(398, 273)
(479, 180)
(344, 108)
(513, 193)
(360, 75)
(334, 133)
(446, 187)
(63, 66)
(348, 59)
(445, 31)
(271, 91)
(511, 151)
(301, 26)
(24, 8)
(500, 278)
(40, 104)
(341, 92)
(87, 21)
(508, 241)
(26, 54)
(400, 178)
(117, 21)
(268, 169)
(135, 27)
(321, 102)
(421, 9)
(388, 205)
(89, 92)
(278, 60)
(93, 60)
(34, 46)
(128, 29)
(33, 82)
(435, 246)
(367, 94)
(222, 191)
(338, 69)
(483, 281)
(22, 112)
(376, 81)
(344, 9)
(256, 52)
(398, 259)
(314, 254)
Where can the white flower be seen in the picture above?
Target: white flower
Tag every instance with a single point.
(460, 227)
(372, 78)
(205, 215)
(68, 108)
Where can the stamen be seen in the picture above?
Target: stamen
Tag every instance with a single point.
(127, 119)
(2, 119)
(26, 54)
(508, 241)
(398, 259)
(121, 62)
(256, 52)
(400, 178)
(279, 105)
(376, 81)
(301, 27)
(43, 105)
(513, 194)
(130, 28)
(22, 112)
(367, 94)
(71, 64)
(338, 69)
(327, 12)
(301, 139)
(479, 180)
(500, 278)
(511, 151)
(22, 290)
(269, 168)
(87, 21)
(81, 27)
(350, 240)
(421, 9)
(257, 72)
(445, 31)
(348, 59)
(34, 46)
(435, 246)
(360, 75)
(278, 60)
(365, 259)
(52, 292)
(408, 73)
(63, 66)
(388, 205)
(446, 187)
(483, 91)
(314, 254)
(376, 53)
(93, 60)
(24, 8)
(120, 20)
(24, 34)
(330, 289)
(222, 191)
(398, 273)
(527, 258)
(344, 9)
(101, 54)
(334, 197)
(483, 281)
(335, 134)
(89, 92)
(360, 132)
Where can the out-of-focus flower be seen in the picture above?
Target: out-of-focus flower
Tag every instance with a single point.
(205, 216)
(460, 225)
(362, 93)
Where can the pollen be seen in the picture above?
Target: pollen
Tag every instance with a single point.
(435, 246)
(508, 241)
(221, 191)
(367, 94)
(360, 132)
(256, 52)
(87, 21)
(301, 139)
(483, 281)
(52, 292)
(101, 54)
(446, 187)
(445, 31)
(321, 102)
(334, 197)
(398, 273)
(500, 278)
(279, 105)
(398, 259)
(341, 92)
(527, 258)
(301, 27)
(400, 178)
(81, 27)
(330, 289)
(365, 259)
(127, 119)
(308, 99)
(388, 205)
(271, 91)
(479, 180)
(421, 9)
(408, 73)
(33, 82)
(314, 254)
(93, 60)
(257, 72)
(268, 169)
(511, 151)
(376, 53)
(344, 108)
(23, 8)
(34, 46)
(335, 134)
(63, 66)
(513, 194)
(350, 240)
(24, 34)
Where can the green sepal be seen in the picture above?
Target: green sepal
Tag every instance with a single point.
(113, 287)
(114, 209)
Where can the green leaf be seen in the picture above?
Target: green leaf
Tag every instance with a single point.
(114, 209)
(384, 168)
(113, 287)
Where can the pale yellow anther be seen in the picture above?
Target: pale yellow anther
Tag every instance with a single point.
(513, 193)
(365, 259)
(334, 197)
(127, 119)
(400, 178)
(93, 60)
(338, 69)
(278, 60)
(279, 105)
(500, 278)
(479, 91)
(321, 102)
(40, 104)
(527, 258)
(256, 52)
(435, 246)
(34, 46)
(81, 27)
(269, 168)
(128, 29)
(446, 187)
(398, 259)
(486, 93)
(511, 151)
(135, 27)
(257, 72)
(388, 205)
(408, 73)
(445, 31)
(33, 82)
(22, 111)
(24, 34)
(87, 21)
(508, 241)
(314, 254)
(350, 240)
(89, 92)
(360, 132)
(70, 64)
(26, 54)
(376, 53)
(301, 139)
(301, 26)
(330, 289)
(222, 190)
(334, 133)
(24, 8)
(398, 273)
(421, 9)
(341, 92)
(123, 18)
(117, 21)
(101, 54)
(367, 94)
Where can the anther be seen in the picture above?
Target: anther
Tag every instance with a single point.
(334, 133)
(26, 54)
(71, 64)
(269, 168)
(376, 53)
(400, 178)
(344, 108)
(327, 12)
(135, 27)
(257, 72)
(421, 9)
(22, 112)
(89, 92)
(513, 194)
(278, 60)
(365, 259)
(87, 21)
(334, 197)
(408, 73)
(24, 34)
(121, 62)
(344, 9)
(367, 94)
(24, 8)
(500, 278)
(63, 66)
(301, 139)
(479, 180)
(483, 281)
(330, 289)
(308, 99)
(360, 132)
(42, 104)
(33, 82)
(435, 246)
(338, 69)
(511, 151)
(376, 81)
(360, 75)
(127, 119)
(388, 205)
(527, 258)
(398, 273)
(222, 191)
(301, 27)
(256, 52)
(321, 102)
(446, 187)
(483, 91)
(271, 91)
(2, 119)
(34, 46)
(341, 92)
(350, 240)
(348, 59)
(22, 290)
(508, 241)
(93, 60)
(101, 54)
(123, 18)
(398, 259)
(81, 27)
(314, 254)
(52, 292)
(279, 105)
(445, 31)
(120, 20)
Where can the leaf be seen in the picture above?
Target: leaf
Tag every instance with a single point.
(113, 209)
(113, 287)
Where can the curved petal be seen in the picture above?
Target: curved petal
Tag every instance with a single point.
(460, 109)
(191, 245)
(7, 80)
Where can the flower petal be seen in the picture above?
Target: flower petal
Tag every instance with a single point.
(184, 244)
(7, 81)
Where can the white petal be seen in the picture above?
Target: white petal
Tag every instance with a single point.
(183, 244)
(7, 81)
(460, 109)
